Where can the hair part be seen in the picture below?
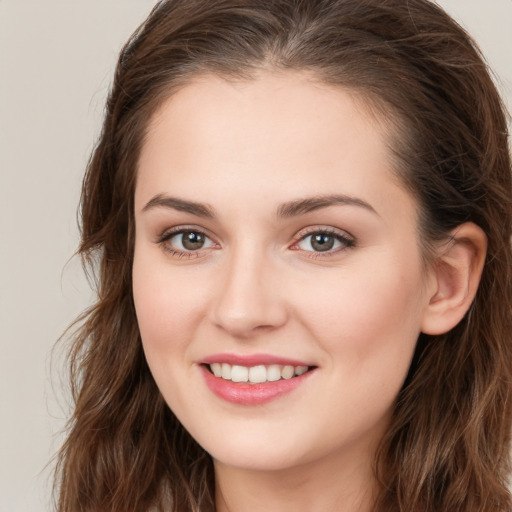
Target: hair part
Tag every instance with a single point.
(448, 444)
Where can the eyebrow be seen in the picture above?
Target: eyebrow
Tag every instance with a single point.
(289, 209)
(310, 204)
(182, 205)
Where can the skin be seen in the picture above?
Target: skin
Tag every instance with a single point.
(258, 286)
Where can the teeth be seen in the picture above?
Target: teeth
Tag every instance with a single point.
(287, 372)
(273, 372)
(239, 373)
(256, 374)
(226, 371)
(216, 369)
(299, 370)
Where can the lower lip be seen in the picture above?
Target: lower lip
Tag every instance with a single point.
(241, 393)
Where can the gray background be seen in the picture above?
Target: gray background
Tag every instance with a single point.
(56, 63)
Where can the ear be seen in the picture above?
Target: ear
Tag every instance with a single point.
(454, 279)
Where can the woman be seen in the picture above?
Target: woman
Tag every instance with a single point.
(300, 214)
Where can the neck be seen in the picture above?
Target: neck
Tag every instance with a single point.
(304, 488)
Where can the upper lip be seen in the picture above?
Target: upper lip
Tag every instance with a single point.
(252, 360)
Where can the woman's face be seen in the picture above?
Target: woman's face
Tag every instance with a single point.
(272, 239)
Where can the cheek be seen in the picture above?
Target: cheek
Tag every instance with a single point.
(367, 329)
(166, 307)
(369, 319)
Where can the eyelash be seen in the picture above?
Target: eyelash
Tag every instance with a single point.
(177, 253)
(344, 239)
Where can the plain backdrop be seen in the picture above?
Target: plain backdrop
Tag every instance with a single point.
(56, 62)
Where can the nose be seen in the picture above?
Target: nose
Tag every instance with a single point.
(250, 299)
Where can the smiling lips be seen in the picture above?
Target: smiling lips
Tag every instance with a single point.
(256, 374)
(253, 380)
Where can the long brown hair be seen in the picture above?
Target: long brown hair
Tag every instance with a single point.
(447, 447)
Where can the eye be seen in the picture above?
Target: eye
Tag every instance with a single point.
(186, 241)
(324, 242)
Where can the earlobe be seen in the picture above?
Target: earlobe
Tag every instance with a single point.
(456, 276)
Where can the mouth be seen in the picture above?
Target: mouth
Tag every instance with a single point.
(258, 374)
(254, 380)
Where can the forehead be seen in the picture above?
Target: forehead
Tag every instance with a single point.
(264, 105)
(282, 132)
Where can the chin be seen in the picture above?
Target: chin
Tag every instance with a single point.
(256, 449)
(257, 458)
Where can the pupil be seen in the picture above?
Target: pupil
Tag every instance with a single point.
(322, 242)
(192, 240)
